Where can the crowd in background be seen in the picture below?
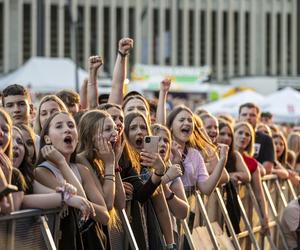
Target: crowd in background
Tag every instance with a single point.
(89, 156)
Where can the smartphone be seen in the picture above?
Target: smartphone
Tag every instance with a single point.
(7, 190)
(151, 144)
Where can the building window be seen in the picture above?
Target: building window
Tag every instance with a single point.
(179, 38)
(289, 44)
(278, 49)
(225, 44)
(54, 31)
(202, 38)
(247, 43)
(94, 31)
(191, 47)
(268, 43)
(1, 37)
(236, 43)
(26, 32)
(67, 22)
(80, 37)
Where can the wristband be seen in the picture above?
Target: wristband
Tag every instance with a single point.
(160, 175)
(170, 197)
(123, 54)
(171, 246)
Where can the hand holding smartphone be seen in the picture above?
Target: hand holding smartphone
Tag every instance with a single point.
(151, 144)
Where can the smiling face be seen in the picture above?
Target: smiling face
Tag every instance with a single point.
(5, 134)
(242, 137)
(279, 146)
(182, 127)
(225, 136)
(63, 134)
(137, 132)
(212, 128)
(109, 131)
(18, 148)
(47, 109)
(118, 117)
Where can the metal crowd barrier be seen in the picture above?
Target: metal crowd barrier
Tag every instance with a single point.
(30, 229)
(251, 232)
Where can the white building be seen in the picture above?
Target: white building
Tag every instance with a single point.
(235, 37)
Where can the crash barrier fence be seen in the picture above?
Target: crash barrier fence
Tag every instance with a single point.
(211, 233)
(30, 229)
(39, 229)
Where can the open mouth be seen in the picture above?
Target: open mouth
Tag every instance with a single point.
(162, 151)
(68, 140)
(186, 131)
(15, 154)
(139, 142)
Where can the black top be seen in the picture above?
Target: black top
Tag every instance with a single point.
(264, 148)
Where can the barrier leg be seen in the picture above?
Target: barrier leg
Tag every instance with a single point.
(273, 209)
(207, 222)
(291, 188)
(47, 234)
(11, 235)
(227, 219)
(254, 201)
(188, 234)
(128, 230)
(247, 223)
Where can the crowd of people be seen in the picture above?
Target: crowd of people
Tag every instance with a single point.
(88, 156)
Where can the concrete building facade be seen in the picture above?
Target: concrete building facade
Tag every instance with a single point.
(234, 37)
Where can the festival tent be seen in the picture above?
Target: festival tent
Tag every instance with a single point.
(284, 105)
(230, 105)
(45, 75)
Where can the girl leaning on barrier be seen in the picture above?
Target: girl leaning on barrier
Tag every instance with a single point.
(146, 190)
(244, 143)
(56, 164)
(237, 170)
(180, 121)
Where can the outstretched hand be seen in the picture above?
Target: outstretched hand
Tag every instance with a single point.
(165, 85)
(95, 62)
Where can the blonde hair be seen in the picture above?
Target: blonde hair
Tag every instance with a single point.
(293, 142)
(8, 120)
(47, 98)
(250, 147)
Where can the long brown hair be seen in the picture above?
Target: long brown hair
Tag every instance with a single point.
(133, 154)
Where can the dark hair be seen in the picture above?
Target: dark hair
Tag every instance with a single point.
(266, 114)
(175, 112)
(231, 160)
(249, 105)
(69, 97)
(152, 105)
(15, 89)
(132, 93)
(106, 106)
(103, 98)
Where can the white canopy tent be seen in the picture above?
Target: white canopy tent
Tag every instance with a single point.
(230, 105)
(284, 105)
(45, 75)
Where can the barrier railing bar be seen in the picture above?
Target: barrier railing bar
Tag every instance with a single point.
(47, 234)
(207, 222)
(247, 223)
(254, 230)
(273, 209)
(258, 211)
(188, 234)
(227, 219)
(11, 235)
(291, 188)
(128, 230)
(27, 213)
(281, 195)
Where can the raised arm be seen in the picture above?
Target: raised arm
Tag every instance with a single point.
(83, 94)
(95, 62)
(162, 99)
(119, 74)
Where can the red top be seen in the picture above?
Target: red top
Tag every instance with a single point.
(251, 163)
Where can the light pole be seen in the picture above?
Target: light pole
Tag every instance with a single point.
(73, 39)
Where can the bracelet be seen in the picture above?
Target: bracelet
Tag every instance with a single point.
(118, 169)
(170, 197)
(160, 175)
(123, 54)
(109, 179)
(107, 175)
(171, 246)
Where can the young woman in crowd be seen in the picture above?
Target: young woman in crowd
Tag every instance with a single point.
(29, 200)
(244, 143)
(293, 142)
(136, 128)
(56, 164)
(49, 105)
(237, 170)
(181, 124)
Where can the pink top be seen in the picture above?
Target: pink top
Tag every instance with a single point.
(194, 168)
